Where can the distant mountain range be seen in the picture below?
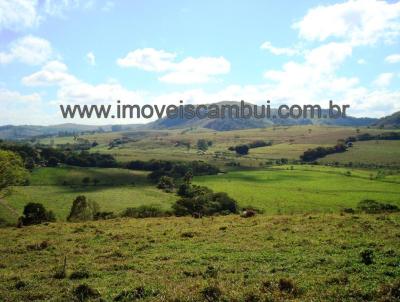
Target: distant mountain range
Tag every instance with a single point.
(226, 124)
(11, 132)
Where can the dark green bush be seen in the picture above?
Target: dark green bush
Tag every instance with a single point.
(84, 293)
(144, 212)
(374, 207)
(138, 293)
(205, 204)
(35, 213)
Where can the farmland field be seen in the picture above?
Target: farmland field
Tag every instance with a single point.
(302, 246)
(300, 189)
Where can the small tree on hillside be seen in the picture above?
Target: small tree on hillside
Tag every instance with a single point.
(83, 209)
(166, 183)
(12, 171)
(202, 145)
(187, 178)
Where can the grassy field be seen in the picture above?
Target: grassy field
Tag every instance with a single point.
(56, 188)
(304, 188)
(279, 189)
(369, 152)
(318, 257)
(301, 249)
(288, 142)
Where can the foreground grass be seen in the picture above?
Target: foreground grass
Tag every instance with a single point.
(177, 258)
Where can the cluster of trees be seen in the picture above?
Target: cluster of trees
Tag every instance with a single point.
(51, 157)
(161, 168)
(243, 149)
(86, 159)
(369, 137)
(201, 201)
(314, 154)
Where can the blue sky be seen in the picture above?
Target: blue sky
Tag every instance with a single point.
(99, 51)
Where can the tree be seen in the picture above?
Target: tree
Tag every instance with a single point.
(86, 180)
(52, 162)
(242, 149)
(35, 213)
(187, 178)
(12, 171)
(166, 183)
(83, 209)
(202, 145)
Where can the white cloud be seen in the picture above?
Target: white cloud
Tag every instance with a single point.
(279, 50)
(91, 58)
(189, 70)
(53, 73)
(18, 14)
(395, 58)
(384, 79)
(17, 108)
(109, 5)
(360, 22)
(148, 59)
(29, 50)
(72, 90)
(361, 62)
(59, 7)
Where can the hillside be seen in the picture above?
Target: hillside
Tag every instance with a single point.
(390, 121)
(235, 123)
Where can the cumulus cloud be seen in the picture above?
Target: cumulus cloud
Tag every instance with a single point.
(17, 108)
(279, 50)
(360, 22)
(395, 58)
(53, 73)
(29, 50)
(72, 90)
(189, 70)
(384, 79)
(18, 14)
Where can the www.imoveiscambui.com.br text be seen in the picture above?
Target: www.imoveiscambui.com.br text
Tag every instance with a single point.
(211, 111)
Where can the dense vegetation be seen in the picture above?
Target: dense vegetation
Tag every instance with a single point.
(314, 154)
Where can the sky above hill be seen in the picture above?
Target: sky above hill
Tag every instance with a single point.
(160, 52)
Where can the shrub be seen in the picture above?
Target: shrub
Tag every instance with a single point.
(84, 293)
(138, 293)
(83, 209)
(166, 183)
(212, 293)
(81, 274)
(144, 212)
(104, 215)
(373, 207)
(35, 213)
(205, 204)
(242, 149)
(367, 257)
